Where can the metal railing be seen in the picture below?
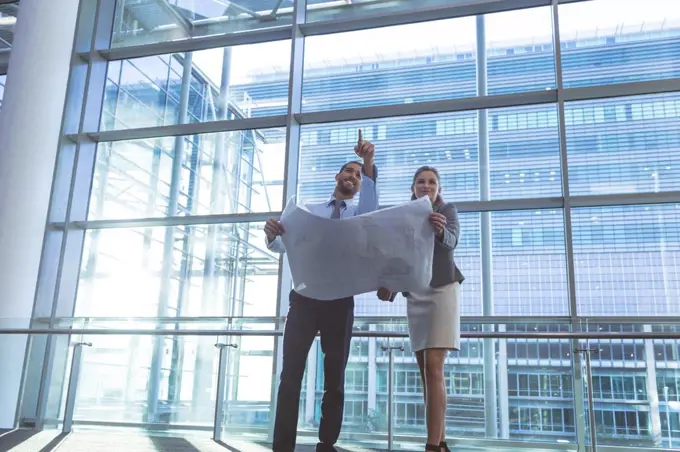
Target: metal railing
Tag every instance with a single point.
(223, 347)
(585, 335)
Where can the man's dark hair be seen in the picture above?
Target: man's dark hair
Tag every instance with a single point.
(355, 162)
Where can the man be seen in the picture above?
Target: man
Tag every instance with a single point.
(333, 319)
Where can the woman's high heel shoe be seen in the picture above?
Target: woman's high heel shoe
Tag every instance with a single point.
(433, 447)
(444, 447)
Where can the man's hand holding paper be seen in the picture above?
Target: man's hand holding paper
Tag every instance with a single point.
(332, 259)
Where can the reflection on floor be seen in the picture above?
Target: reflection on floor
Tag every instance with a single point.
(122, 440)
(118, 441)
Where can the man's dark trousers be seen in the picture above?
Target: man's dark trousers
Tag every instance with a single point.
(333, 319)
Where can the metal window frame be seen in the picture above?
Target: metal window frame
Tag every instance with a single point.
(501, 205)
(290, 181)
(386, 111)
(362, 21)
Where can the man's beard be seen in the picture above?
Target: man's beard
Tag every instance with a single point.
(345, 190)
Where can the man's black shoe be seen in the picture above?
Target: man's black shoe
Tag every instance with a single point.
(321, 447)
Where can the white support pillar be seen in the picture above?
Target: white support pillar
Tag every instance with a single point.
(30, 127)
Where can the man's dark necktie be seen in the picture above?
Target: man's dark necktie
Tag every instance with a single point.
(336, 209)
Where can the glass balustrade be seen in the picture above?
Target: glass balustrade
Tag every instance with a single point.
(503, 392)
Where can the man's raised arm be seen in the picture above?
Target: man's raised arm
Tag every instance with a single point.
(368, 195)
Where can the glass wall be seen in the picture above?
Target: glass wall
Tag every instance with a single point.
(8, 20)
(557, 133)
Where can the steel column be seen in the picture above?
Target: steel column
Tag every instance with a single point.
(221, 410)
(73, 380)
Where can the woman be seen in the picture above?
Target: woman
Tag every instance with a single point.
(434, 314)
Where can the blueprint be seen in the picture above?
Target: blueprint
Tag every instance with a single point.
(332, 259)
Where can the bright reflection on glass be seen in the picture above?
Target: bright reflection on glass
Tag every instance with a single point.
(617, 41)
(182, 271)
(117, 377)
(141, 22)
(225, 83)
(625, 260)
(229, 172)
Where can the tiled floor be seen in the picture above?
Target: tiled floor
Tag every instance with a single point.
(140, 441)
(117, 441)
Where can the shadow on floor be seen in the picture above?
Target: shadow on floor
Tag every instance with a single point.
(227, 446)
(13, 438)
(52, 445)
(307, 448)
(172, 444)
(24, 440)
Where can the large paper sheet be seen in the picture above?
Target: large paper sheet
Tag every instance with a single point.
(332, 259)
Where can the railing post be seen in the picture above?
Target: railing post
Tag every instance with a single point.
(390, 400)
(668, 418)
(73, 385)
(591, 406)
(218, 419)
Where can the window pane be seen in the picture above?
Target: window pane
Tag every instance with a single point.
(230, 172)
(617, 41)
(427, 61)
(519, 57)
(529, 264)
(145, 92)
(8, 21)
(624, 258)
(321, 10)
(390, 65)
(149, 21)
(524, 163)
(620, 396)
(185, 271)
(524, 155)
(623, 145)
(402, 145)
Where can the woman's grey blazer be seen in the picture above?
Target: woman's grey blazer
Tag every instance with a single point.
(444, 269)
